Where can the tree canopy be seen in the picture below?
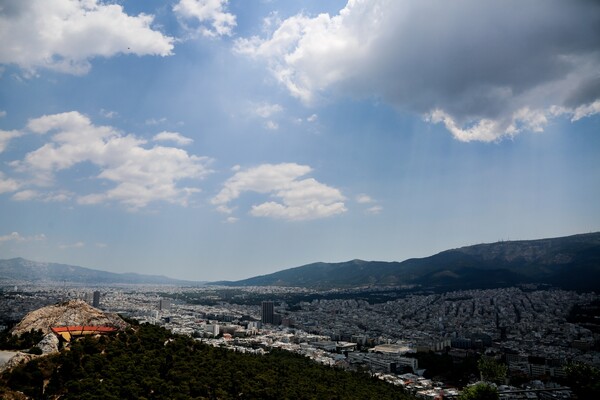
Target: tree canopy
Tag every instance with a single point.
(152, 363)
(479, 391)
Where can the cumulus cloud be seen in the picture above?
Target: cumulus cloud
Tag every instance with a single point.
(368, 200)
(174, 137)
(8, 184)
(364, 199)
(485, 70)
(6, 137)
(374, 210)
(17, 237)
(69, 33)
(294, 198)
(25, 195)
(140, 175)
(108, 114)
(155, 121)
(266, 110)
(271, 125)
(47, 197)
(210, 15)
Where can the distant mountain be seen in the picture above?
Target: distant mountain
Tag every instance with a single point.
(32, 271)
(571, 262)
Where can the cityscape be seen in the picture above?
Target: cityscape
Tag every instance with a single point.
(299, 200)
(528, 329)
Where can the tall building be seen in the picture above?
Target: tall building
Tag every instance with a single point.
(267, 312)
(96, 300)
(164, 305)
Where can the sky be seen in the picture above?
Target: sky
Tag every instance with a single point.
(216, 139)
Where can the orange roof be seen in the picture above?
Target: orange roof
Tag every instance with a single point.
(83, 329)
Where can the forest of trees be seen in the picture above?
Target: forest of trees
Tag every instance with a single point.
(149, 362)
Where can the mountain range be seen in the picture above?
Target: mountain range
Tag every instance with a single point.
(571, 262)
(20, 269)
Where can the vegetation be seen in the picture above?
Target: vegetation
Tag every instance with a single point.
(479, 391)
(492, 370)
(152, 363)
(26, 340)
(584, 379)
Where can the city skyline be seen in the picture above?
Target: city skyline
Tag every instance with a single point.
(210, 140)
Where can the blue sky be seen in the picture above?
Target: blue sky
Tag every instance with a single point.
(214, 139)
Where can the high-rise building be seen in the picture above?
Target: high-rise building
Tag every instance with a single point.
(267, 312)
(96, 300)
(164, 305)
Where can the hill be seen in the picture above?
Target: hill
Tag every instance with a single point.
(20, 269)
(571, 262)
(149, 362)
(73, 312)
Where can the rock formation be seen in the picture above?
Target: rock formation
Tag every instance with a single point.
(73, 312)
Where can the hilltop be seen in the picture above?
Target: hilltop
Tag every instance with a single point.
(571, 262)
(73, 312)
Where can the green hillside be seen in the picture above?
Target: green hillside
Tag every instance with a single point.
(149, 362)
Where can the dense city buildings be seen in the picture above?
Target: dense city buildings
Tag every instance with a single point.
(526, 329)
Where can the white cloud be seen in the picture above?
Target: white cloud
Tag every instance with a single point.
(69, 33)
(25, 195)
(2, 113)
(374, 210)
(47, 197)
(141, 175)
(155, 121)
(58, 196)
(271, 125)
(312, 118)
(17, 237)
(14, 236)
(210, 15)
(76, 245)
(108, 114)
(6, 136)
(297, 199)
(585, 110)
(174, 137)
(8, 184)
(364, 199)
(433, 58)
(266, 110)
(101, 245)
(231, 220)
(524, 119)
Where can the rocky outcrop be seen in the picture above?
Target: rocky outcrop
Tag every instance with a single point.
(73, 312)
(17, 359)
(49, 344)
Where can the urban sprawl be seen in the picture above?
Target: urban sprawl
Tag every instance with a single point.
(523, 327)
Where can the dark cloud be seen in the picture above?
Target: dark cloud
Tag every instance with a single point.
(474, 60)
(587, 92)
